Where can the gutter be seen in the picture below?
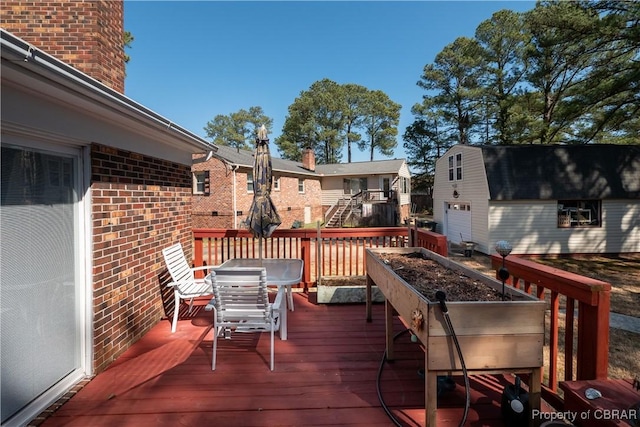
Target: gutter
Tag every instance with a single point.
(29, 54)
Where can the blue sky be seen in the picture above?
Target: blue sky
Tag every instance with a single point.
(192, 60)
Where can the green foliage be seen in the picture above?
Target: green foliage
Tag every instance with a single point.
(238, 129)
(328, 116)
(563, 72)
(380, 122)
(128, 39)
(423, 142)
(454, 78)
(503, 43)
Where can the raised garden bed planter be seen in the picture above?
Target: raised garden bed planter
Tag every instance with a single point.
(494, 336)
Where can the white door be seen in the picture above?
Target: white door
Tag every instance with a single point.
(41, 296)
(307, 214)
(458, 217)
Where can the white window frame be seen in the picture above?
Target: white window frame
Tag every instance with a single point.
(199, 182)
(405, 185)
(579, 213)
(301, 185)
(250, 182)
(275, 183)
(455, 167)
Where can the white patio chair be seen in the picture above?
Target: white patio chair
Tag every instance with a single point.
(185, 284)
(241, 304)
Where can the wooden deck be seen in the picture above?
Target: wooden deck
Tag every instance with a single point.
(325, 375)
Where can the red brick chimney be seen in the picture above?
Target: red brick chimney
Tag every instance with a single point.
(309, 159)
(86, 34)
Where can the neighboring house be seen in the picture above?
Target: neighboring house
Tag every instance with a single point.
(302, 192)
(94, 185)
(380, 189)
(543, 199)
(223, 190)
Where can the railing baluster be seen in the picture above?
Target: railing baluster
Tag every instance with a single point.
(568, 340)
(553, 342)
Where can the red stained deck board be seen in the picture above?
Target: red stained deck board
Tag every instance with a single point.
(325, 375)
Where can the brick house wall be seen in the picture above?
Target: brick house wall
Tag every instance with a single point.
(140, 204)
(216, 209)
(86, 34)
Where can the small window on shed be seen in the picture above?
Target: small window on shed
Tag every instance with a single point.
(579, 213)
(455, 167)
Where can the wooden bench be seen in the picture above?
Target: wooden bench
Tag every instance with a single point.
(614, 408)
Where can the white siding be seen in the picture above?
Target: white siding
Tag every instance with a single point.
(404, 172)
(332, 190)
(473, 189)
(532, 228)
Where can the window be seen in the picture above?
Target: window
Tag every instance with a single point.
(459, 206)
(405, 185)
(300, 185)
(201, 182)
(354, 185)
(455, 167)
(275, 183)
(579, 213)
(249, 182)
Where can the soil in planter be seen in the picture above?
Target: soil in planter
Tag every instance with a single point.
(428, 276)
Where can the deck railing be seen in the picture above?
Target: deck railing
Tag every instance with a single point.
(325, 252)
(340, 252)
(584, 333)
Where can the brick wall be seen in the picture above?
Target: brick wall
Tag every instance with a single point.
(140, 205)
(216, 209)
(220, 198)
(89, 35)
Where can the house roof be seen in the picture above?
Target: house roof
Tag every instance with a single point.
(244, 158)
(361, 168)
(27, 65)
(560, 172)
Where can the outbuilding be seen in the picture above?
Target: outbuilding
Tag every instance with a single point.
(543, 199)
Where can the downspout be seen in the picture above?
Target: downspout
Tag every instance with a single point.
(234, 168)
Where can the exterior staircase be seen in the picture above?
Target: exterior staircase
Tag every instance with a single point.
(346, 209)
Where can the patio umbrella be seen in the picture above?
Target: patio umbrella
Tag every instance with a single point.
(263, 217)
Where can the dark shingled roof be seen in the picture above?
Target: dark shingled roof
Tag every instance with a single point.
(377, 167)
(561, 172)
(244, 158)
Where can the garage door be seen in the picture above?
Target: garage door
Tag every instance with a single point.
(458, 221)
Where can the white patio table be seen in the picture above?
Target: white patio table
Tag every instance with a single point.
(280, 272)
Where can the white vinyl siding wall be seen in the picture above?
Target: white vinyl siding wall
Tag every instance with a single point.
(531, 228)
(472, 189)
(403, 198)
(332, 190)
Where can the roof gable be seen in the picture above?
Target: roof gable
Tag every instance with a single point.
(593, 171)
